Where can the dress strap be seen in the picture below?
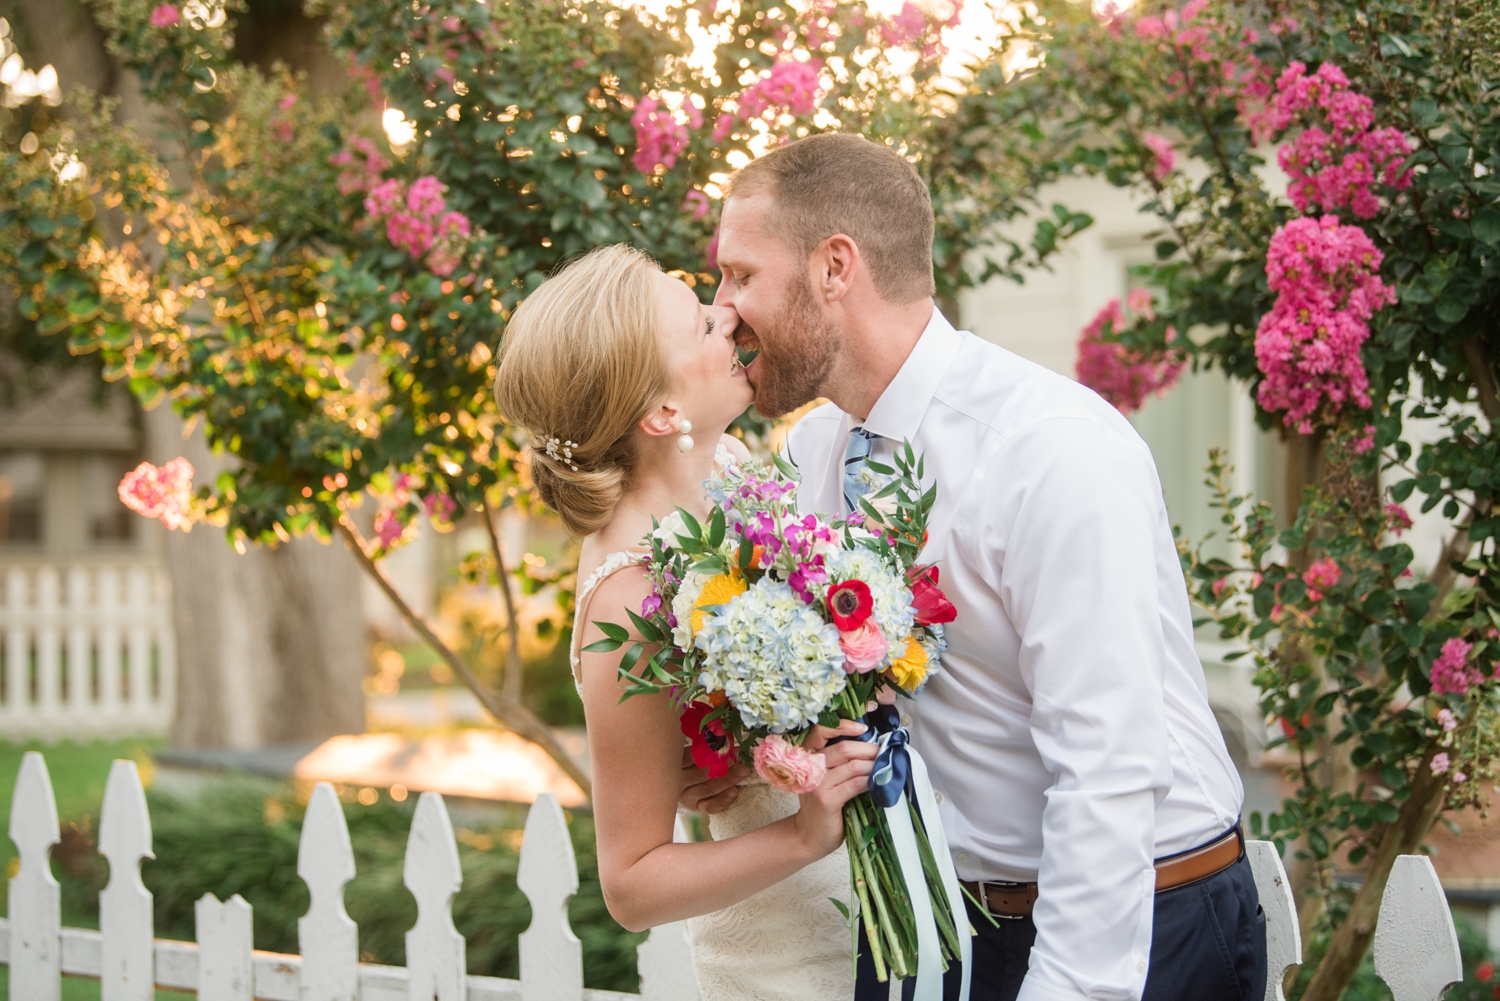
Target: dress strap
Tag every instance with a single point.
(612, 564)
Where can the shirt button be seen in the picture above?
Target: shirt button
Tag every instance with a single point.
(938, 796)
(963, 856)
(1141, 966)
(906, 719)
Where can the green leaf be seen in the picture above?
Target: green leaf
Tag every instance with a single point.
(716, 528)
(1166, 248)
(1391, 45)
(614, 631)
(1486, 226)
(605, 645)
(646, 628)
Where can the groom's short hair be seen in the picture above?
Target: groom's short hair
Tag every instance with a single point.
(838, 182)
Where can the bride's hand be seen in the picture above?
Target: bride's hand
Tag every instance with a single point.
(820, 821)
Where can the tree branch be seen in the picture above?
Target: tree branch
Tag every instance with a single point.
(516, 717)
(513, 666)
(1482, 374)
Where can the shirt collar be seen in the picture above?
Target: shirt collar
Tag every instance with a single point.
(898, 413)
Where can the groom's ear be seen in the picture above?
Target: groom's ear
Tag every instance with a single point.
(835, 262)
(661, 421)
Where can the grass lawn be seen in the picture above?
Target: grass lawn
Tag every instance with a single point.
(74, 989)
(79, 772)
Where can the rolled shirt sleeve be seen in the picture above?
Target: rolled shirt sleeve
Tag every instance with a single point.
(1072, 543)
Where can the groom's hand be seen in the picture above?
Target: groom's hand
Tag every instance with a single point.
(701, 794)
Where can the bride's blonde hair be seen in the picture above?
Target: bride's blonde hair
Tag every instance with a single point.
(580, 366)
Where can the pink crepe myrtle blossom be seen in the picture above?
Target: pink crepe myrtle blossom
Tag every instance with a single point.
(1447, 720)
(417, 220)
(697, 203)
(1396, 518)
(162, 492)
(1364, 441)
(906, 27)
(1218, 587)
(1452, 674)
(660, 137)
(440, 508)
(286, 102)
(283, 130)
(1326, 276)
(1440, 763)
(165, 16)
(425, 197)
(390, 531)
(1124, 376)
(791, 86)
(787, 767)
(723, 127)
(1141, 302)
(1164, 156)
(362, 165)
(1321, 575)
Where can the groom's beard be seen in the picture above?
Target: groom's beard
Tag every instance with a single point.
(797, 350)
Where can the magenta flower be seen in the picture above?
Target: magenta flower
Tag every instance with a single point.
(1397, 519)
(165, 16)
(905, 27)
(1452, 674)
(389, 531)
(659, 137)
(439, 507)
(1307, 347)
(697, 202)
(791, 86)
(162, 492)
(1322, 574)
(1164, 156)
(286, 102)
(1124, 376)
(426, 196)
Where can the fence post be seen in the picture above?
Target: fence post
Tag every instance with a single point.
(125, 919)
(435, 960)
(1283, 934)
(225, 941)
(48, 644)
(329, 940)
(17, 642)
(1416, 948)
(551, 955)
(35, 897)
(79, 644)
(108, 639)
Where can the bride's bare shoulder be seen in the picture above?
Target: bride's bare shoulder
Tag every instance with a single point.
(734, 447)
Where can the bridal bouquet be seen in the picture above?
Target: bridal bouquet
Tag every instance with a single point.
(762, 624)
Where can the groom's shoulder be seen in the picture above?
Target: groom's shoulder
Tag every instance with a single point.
(1008, 394)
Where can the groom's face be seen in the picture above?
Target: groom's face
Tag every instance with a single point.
(769, 283)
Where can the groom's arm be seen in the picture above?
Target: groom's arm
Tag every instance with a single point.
(1075, 530)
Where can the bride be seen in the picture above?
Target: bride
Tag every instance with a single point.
(626, 384)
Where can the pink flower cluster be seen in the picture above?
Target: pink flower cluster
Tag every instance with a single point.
(1214, 58)
(785, 766)
(165, 16)
(1397, 520)
(1123, 375)
(418, 222)
(1321, 575)
(791, 86)
(1452, 674)
(1307, 347)
(161, 492)
(659, 137)
(1163, 156)
(1339, 157)
(906, 27)
(362, 165)
(390, 531)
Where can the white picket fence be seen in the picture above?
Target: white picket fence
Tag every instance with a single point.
(86, 651)
(223, 966)
(1416, 946)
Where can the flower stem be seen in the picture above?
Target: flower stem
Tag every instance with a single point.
(857, 873)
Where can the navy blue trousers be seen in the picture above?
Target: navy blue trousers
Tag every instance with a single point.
(1208, 943)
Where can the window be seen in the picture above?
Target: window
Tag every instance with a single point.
(22, 486)
(108, 519)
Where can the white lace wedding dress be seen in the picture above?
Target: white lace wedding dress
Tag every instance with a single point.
(787, 942)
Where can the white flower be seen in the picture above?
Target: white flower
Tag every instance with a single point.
(669, 528)
(682, 608)
(891, 597)
(773, 656)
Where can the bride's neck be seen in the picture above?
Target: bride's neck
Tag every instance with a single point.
(666, 479)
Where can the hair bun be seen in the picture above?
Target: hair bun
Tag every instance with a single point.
(584, 499)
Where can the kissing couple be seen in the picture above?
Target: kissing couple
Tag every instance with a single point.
(1091, 807)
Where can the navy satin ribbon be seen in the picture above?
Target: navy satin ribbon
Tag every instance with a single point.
(891, 774)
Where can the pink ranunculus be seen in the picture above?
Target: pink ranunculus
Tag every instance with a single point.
(165, 16)
(164, 493)
(864, 647)
(787, 767)
(1452, 674)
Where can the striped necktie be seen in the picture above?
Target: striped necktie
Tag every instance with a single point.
(855, 455)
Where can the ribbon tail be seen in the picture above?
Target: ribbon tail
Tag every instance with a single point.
(909, 860)
(928, 808)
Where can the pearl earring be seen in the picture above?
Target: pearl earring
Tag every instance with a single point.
(685, 440)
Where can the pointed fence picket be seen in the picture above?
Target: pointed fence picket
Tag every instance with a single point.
(221, 965)
(1416, 948)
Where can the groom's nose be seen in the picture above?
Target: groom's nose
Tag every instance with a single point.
(726, 320)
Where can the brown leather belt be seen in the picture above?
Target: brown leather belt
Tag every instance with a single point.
(1016, 900)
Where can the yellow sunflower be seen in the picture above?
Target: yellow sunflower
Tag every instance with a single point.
(910, 669)
(719, 590)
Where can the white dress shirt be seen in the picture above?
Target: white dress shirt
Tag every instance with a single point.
(1069, 733)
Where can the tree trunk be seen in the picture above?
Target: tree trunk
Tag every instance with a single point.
(1351, 940)
(270, 643)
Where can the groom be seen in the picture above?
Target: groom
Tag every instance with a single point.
(1089, 801)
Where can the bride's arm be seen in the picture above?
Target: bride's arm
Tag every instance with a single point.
(636, 750)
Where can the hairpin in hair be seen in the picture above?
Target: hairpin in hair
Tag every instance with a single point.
(561, 451)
